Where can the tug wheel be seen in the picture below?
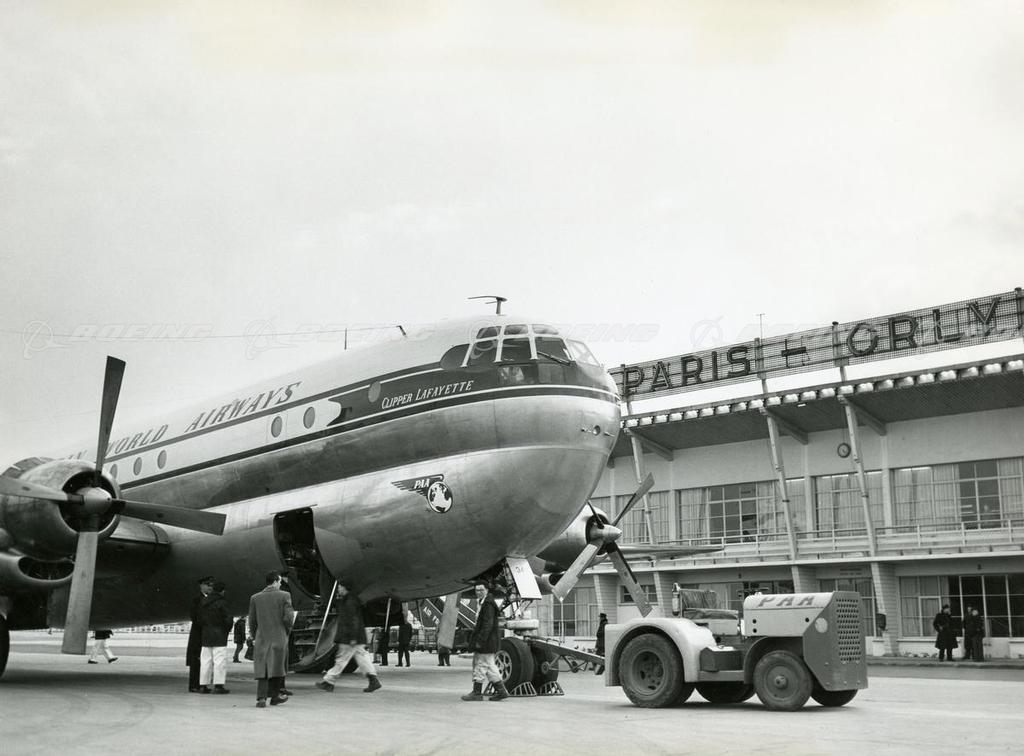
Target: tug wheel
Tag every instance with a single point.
(651, 672)
(782, 681)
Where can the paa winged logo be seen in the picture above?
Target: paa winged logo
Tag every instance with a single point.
(432, 488)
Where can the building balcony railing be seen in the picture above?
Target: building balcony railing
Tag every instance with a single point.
(943, 537)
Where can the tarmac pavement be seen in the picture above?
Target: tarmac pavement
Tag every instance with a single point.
(52, 703)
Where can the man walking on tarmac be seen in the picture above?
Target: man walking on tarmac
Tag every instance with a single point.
(351, 639)
(485, 641)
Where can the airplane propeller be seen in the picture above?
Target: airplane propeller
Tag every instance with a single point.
(601, 538)
(90, 504)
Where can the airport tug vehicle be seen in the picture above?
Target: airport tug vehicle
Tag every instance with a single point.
(792, 647)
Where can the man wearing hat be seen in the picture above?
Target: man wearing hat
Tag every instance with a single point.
(216, 624)
(194, 649)
(270, 621)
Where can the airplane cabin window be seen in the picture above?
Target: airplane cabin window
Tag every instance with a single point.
(482, 353)
(137, 467)
(552, 349)
(515, 350)
(161, 459)
(308, 417)
(275, 426)
(515, 330)
(113, 472)
(487, 333)
(581, 354)
(545, 330)
(453, 358)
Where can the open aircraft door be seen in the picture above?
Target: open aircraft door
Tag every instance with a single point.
(311, 585)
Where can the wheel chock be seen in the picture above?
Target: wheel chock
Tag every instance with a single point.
(551, 689)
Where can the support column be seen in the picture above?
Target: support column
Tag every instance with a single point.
(888, 500)
(862, 478)
(638, 467)
(804, 579)
(883, 576)
(780, 476)
(663, 583)
(606, 588)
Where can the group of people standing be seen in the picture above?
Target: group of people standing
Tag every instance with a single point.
(947, 629)
(270, 621)
(383, 645)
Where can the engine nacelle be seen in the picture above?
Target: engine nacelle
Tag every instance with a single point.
(48, 530)
(562, 551)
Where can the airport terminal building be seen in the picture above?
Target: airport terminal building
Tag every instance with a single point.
(906, 486)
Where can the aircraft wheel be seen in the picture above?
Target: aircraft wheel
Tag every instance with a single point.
(5, 644)
(832, 697)
(725, 692)
(515, 662)
(651, 672)
(545, 667)
(782, 681)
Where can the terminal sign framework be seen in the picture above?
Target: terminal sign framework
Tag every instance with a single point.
(998, 317)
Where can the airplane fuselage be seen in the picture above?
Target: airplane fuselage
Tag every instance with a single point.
(423, 461)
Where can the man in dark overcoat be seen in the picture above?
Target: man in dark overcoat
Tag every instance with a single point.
(485, 641)
(974, 628)
(270, 620)
(239, 637)
(945, 639)
(216, 624)
(404, 639)
(194, 649)
(602, 622)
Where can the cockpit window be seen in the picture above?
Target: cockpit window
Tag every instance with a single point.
(515, 350)
(482, 352)
(544, 329)
(552, 349)
(487, 333)
(515, 330)
(580, 353)
(453, 358)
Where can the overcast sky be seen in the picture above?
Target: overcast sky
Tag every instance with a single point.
(673, 168)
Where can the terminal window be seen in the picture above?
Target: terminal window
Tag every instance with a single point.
(650, 592)
(838, 506)
(971, 495)
(577, 615)
(739, 513)
(999, 599)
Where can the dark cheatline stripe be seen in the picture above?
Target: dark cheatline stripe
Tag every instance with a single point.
(385, 416)
(274, 410)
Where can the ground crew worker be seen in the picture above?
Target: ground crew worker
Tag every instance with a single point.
(351, 639)
(484, 642)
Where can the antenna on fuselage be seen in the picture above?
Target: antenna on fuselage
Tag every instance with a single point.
(497, 301)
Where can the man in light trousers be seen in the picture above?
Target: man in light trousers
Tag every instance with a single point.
(351, 639)
(485, 642)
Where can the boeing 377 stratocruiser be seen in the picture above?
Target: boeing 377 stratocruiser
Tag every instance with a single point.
(408, 468)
